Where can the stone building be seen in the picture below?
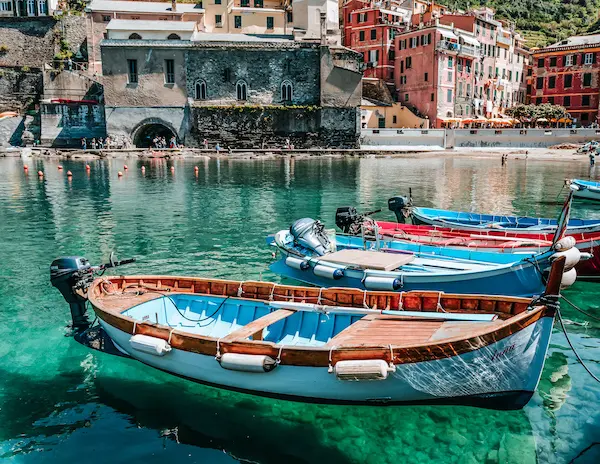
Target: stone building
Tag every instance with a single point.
(240, 90)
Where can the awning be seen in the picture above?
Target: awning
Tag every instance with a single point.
(450, 119)
(470, 40)
(448, 34)
(541, 120)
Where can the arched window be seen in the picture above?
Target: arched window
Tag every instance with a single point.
(241, 89)
(135, 36)
(173, 37)
(200, 90)
(286, 91)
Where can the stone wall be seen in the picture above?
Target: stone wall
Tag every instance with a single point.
(19, 89)
(126, 122)
(264, 127)
(29, 41)
(74, 31)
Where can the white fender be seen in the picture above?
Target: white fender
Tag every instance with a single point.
(368, 369)
(568, 279)
(150, 345)
(247, 362)
(565, 243)
(572, 255)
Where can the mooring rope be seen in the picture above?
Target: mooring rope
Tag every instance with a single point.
(564, 329)
(596, 318)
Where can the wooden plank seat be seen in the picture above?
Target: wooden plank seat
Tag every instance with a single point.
(254, 329)
(370, 259)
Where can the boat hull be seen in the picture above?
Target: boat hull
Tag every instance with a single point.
(501, 375)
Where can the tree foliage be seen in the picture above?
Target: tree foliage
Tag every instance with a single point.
(542, 22)
(534, 112)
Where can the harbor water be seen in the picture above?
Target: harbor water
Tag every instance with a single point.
(60, 402)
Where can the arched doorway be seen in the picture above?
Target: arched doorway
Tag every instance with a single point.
(144, 136)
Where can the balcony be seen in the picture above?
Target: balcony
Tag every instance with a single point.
(503, 40)
(469, 50)
(447, 46)
(256, 5)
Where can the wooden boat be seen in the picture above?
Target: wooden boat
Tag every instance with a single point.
(309, 255)
(585, 189)
(324, 345)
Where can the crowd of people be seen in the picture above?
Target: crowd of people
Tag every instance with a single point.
(161, 142)
(104, 143)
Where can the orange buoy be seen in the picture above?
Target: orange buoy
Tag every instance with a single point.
(172, 168)
(69, 174)
(125, 167)
(60, 167)
(120, 174)
(40, 173)
(143, 168)
(26, 168)
(87, 167)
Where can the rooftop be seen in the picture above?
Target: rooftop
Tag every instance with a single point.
(577, 40)
(136, 25)
(142, 7)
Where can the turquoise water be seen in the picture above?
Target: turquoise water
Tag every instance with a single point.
(60, 402)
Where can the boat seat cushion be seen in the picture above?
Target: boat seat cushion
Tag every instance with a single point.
(370, 259)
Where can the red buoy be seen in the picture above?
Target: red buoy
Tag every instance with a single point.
(87, 167)
(26, 168)
(40, 174)
(125, 167)
(172, 168)
(120, 174)
(60, 167)
(69, 174)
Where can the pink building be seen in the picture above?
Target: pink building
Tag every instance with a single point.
(435, 72)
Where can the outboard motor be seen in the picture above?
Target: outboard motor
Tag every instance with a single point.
(311, 234)
(401, 207)
(345, 217)
(72, 275)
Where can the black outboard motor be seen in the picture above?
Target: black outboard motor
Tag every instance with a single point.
(401, 207)
(72, 275)
(345, 216)
(311, 234)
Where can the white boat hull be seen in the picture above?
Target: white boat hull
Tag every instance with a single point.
(509, 368)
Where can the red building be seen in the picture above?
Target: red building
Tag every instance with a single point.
(369, 28)
(567, 74)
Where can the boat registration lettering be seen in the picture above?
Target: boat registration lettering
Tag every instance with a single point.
(146, 317)
(498, 354)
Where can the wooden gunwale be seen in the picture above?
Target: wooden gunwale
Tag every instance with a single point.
(315, 356)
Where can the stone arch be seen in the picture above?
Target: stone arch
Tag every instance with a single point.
(145, 131)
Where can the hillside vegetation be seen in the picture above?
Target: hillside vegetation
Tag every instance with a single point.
(541, 22)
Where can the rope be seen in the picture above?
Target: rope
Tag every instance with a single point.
(596, 318)
(564, 329)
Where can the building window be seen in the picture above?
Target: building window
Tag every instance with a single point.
(349, 18)
(408, 62)
(567, 101)
(589, 58)
(553, 61)
(169, 71)
(135, 36)
(432, 97)
(450, 63)
(585, 100)
(540, 62)
(361, 36)
(286, 91)
(426, 77)
(30, 7)
(539, 83)
(217, 2)
(405, 97)
(552, 82)
(270, 22)
(569, 60)
(568, 80)
(173, 37)
(106, 18)
(551, 100)
(218, 20)
(200, 90)
(587, 79)
(373, 34)
(290, 17)
(241, 90)
(394, 119)
(381, 123)
(244, 3)
(132, 72)
(449, 96)
(237, 20)
(449, 76)
(258, 3)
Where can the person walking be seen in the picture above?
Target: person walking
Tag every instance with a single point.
(205, 143)
(94, 143)
(84, 143)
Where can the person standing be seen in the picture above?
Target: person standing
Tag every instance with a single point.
(205, 143)
(84, 143)
(94, 143)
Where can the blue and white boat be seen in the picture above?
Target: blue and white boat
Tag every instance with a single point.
(585, 189)
(310, 255)
(475, 221)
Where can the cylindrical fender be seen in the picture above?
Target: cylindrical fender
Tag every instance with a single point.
(297, 263)
(565, 243)
(329, 272)
(247, 362)
(382, 283)
(572, 257)
(568, 279)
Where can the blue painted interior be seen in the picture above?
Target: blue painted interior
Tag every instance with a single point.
(217, 317)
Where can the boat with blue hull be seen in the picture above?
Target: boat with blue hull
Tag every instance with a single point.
(475, 221)
(309, 255)
(585, 189)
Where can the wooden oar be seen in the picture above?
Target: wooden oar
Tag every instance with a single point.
(314, 308)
